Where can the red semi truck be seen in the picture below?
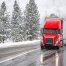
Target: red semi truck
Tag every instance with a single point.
(52, 33)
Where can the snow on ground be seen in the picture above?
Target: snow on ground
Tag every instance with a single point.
(12, 44)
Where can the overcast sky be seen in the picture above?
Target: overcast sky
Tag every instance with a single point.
(45, 7)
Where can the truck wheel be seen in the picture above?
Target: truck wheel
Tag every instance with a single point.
(62, 43)
(57, 47)
(42, 47)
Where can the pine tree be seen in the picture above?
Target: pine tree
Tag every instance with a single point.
(32, 20)
(4, 23)
(16, 24)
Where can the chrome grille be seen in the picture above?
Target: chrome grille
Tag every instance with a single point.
(49, 40)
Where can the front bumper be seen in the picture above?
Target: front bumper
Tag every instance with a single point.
(48, 44)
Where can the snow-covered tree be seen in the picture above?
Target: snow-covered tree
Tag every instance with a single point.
(32, 20)
(16, 24)
(4, 23)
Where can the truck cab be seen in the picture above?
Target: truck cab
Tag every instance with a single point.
(52, 33)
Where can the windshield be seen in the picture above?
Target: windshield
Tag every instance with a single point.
(51, 31)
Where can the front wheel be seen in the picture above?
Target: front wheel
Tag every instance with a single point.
(57, 47)
(42, 47)
(62, 43)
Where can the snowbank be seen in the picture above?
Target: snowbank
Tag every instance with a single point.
(11, 44)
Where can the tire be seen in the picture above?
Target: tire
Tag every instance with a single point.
(57, 47)
(42, 47)
(62, 43)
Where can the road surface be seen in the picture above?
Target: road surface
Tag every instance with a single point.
(35, 57)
